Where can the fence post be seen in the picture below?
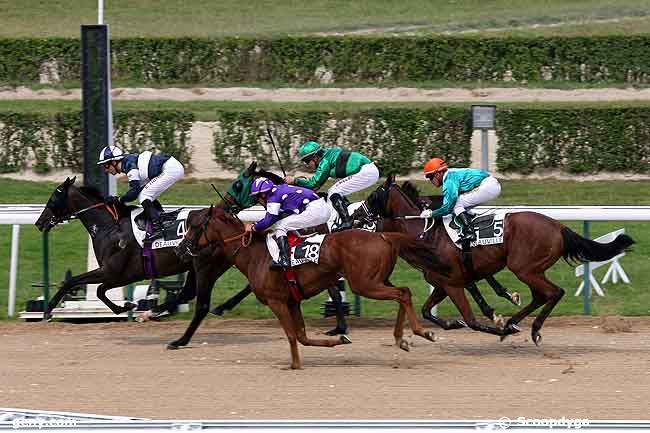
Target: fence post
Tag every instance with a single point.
(586, 288)
(129, 298)
(46, 273)
(13, 270)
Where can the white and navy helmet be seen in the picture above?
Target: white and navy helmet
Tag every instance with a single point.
(110, 153)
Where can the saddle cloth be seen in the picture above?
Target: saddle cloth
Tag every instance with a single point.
(302, 249)
(173, 232)
(489, 228)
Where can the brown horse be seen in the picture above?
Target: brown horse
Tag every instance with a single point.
(532, 244)
(365, 259)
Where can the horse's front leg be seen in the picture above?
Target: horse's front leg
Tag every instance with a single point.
(92, 277)
(434, 299)
(457, 295)
(116, 309)
(513, 297)
(486, 309)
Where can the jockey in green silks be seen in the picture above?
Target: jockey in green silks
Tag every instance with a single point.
(354, 171)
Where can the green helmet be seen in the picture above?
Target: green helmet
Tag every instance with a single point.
(308, 149)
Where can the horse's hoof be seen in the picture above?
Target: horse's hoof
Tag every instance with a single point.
(217, 312)
(515, 298)
(174, 345)
(344, 339)
(404, 346)
(498, 320)
(128, 306)
(429, 335)
(537, 339)
(144, 317)
(336, 331)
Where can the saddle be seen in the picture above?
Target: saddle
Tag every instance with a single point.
(166, 219)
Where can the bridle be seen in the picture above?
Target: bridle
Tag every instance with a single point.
(192, 246)
(54, 220)
(381, 196)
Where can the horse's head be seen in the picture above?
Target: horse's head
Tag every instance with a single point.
(57, 207)
(206, 230)
(389, 200)
(239, 193)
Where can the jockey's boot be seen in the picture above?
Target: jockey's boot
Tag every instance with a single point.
(340, 206)
(468, 233)
(152, 214)
(283, 259)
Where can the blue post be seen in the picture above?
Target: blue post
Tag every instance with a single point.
(586, 286)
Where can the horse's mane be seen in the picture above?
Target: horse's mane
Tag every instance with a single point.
(124, 210)
(270, 175)
(411, 192)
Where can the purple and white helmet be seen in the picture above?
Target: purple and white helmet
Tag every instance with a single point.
(261, 184)
(110, 153)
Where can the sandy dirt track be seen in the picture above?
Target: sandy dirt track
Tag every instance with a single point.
(586, 368)
(365, 94)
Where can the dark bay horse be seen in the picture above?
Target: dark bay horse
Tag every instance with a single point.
(532, 244)
(118, 266)
(365, 259)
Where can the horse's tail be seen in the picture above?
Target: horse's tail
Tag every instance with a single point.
(416, 252)
(579, 249)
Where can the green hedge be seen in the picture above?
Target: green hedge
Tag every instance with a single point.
(56, 141)
(397, 139)
(575, 140)
(349, 59)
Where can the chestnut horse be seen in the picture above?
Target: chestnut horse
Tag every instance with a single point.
(532, 244)
(365, 259)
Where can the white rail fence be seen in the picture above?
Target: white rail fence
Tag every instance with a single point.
(17, 215)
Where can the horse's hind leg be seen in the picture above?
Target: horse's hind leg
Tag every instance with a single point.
(502, 291)
(335, 294)
(301, 334)
(544, 292)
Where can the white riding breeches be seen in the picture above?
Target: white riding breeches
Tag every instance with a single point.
(316, 213)
(365, 178)
(172, 171)
(488, 190)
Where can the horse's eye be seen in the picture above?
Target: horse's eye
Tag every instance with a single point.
(237, 187)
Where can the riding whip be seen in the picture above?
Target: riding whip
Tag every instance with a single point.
(268, 131)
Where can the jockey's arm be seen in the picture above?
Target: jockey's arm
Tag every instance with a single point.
(318, 179)
(271, 217)
(133, 192)
(449, 197)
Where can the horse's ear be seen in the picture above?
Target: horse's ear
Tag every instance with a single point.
(210, 210)
(389, 180)
(251, 169)
(73, 179)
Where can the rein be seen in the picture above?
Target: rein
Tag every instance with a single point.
(110, 208)
(245, 237)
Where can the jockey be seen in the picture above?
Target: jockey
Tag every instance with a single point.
(462, 189)
(355, 171)
(149, 176)
(291, 208)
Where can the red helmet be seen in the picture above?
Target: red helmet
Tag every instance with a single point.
(434, 165)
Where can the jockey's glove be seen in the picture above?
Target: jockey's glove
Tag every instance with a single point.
(426, 213)
(113, 199)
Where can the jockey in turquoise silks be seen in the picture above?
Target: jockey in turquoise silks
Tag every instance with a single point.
(462, 189)
(354, 171)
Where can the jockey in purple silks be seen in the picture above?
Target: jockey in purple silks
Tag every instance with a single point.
(289, 207)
